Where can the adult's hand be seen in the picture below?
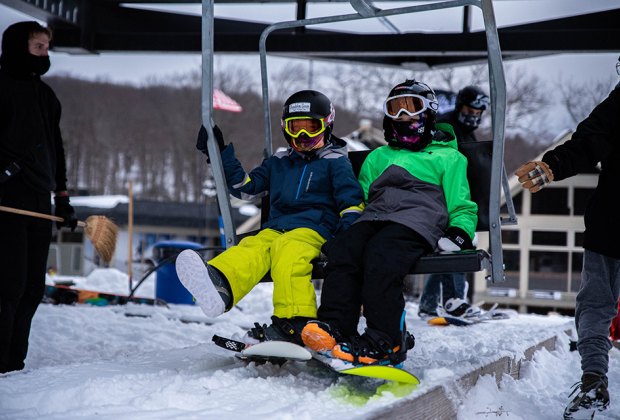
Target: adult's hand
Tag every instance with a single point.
(533, 176)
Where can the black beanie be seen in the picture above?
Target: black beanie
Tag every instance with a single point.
(15, 58)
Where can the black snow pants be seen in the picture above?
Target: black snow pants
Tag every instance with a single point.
(366, 267)
(24, 245)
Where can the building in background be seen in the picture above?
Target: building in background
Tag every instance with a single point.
(71, 253)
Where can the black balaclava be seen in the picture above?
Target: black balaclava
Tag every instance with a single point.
(15, 58)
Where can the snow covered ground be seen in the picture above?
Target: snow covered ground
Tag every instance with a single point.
(88, 361)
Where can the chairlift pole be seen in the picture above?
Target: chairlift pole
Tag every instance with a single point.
(498, 113)
(207, 121)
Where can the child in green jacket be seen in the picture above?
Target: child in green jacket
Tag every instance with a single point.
(417, 199)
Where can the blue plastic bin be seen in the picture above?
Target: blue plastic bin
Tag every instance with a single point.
(167, 284)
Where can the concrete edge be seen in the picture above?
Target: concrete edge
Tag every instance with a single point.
(441, 402)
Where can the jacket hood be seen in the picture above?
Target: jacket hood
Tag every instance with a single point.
(444, 136)
(336, 145)
(16, 59)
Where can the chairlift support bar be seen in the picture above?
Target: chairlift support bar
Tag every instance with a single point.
(207, 121)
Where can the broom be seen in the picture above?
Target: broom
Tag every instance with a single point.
(100, 230)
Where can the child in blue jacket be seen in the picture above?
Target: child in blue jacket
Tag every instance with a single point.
(313, 193)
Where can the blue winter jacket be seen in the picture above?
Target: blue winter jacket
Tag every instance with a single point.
(320, 192)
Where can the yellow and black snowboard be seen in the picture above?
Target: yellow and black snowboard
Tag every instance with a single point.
(279, 352)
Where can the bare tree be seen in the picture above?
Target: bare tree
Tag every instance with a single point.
(288, 80)
(579, 100)
(116, 133)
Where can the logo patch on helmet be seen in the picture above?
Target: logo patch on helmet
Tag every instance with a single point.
(299, 107)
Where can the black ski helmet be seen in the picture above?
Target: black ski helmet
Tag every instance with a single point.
(425, 128)
(473, 97)
(309, 103)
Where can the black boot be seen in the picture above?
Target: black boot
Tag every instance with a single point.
(374, 347)
(221, 285)
(281, 329)
(593, 395)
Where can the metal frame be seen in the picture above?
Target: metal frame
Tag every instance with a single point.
(99, 26)
(498, 108)
(221, 187)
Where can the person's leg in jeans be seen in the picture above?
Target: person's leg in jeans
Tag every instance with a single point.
(453, 286)
(430, 296)
(446, 285)
(597, 304)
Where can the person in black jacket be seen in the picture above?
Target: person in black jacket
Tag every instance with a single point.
(32, 165)
(595, 141)
(466, 116)
(471, 102)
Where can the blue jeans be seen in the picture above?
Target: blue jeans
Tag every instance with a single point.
(597, 305)
(452, 285)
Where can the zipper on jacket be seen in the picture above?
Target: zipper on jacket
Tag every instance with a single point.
(303, 172)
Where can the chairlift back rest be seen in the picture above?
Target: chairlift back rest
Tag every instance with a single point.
(478, 156)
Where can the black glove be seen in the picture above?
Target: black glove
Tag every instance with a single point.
(455, 239)
(65, 210)
(201, 141)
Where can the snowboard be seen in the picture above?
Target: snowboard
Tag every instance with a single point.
(279, 352)
(66, 295)
(444, 318)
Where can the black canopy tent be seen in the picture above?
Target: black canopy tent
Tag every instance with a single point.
(99, 26)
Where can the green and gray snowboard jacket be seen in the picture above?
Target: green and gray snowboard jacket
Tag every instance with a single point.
(426, 190)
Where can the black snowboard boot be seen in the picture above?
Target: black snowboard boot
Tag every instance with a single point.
(592, 396)
(374, 347)
(281, 329)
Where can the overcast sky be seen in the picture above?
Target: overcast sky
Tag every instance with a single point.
(138, 67)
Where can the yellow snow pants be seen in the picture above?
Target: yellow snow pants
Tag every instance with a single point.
(287, 255)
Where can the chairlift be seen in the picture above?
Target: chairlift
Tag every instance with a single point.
(486, 170)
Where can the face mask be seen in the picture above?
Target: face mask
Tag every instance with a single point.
(39, 64)
(305, 144)
(409, 132)
(469, 120)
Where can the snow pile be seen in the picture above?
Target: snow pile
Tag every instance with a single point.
(143, 362)
(109, 280)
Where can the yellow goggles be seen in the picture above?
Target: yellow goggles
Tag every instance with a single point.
(295, 126)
